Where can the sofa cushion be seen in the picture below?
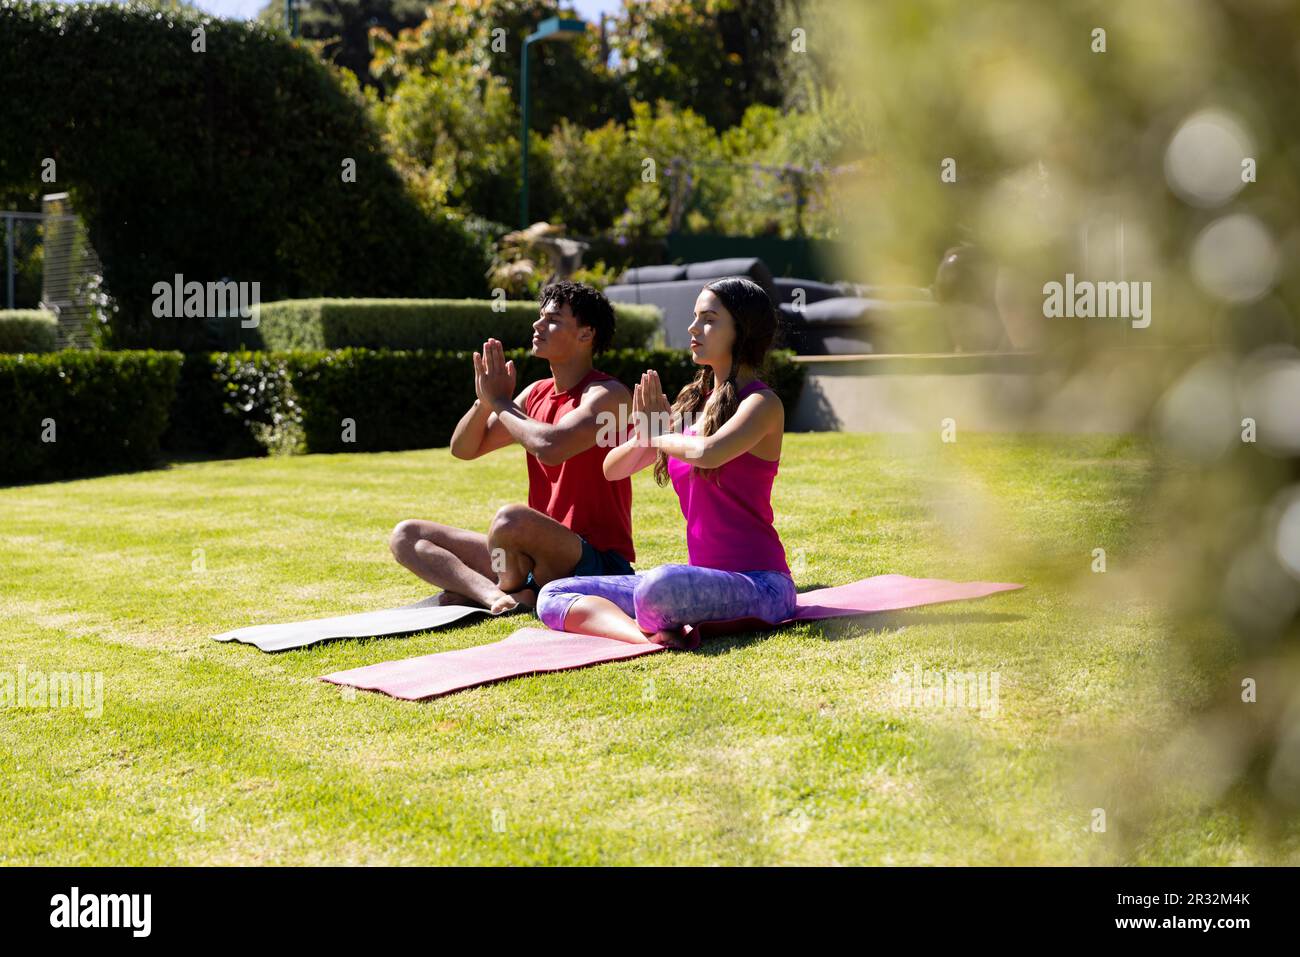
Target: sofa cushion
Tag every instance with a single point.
(813, 291)
(850, 324)
(718, 268)
(891, 293)
(676, 300)
(644, 274)
(841, 309)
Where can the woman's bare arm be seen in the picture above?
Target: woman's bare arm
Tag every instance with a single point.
(636, 452)
(628, 459)
(758, 416)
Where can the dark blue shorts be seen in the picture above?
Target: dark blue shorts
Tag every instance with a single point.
(593, 562)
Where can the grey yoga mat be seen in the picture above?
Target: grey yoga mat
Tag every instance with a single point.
(422, 616)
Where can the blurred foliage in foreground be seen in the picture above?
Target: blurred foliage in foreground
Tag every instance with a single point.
(1151, 142)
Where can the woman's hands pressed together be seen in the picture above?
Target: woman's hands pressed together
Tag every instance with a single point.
(651, 412)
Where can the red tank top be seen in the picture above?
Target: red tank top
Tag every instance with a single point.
(576, 493)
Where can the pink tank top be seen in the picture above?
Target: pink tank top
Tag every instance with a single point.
(729, 524)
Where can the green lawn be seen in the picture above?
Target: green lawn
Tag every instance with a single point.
(789, 747)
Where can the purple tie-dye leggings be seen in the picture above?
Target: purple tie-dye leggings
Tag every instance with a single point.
(673, 595)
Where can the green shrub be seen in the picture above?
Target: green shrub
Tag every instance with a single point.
(245, 403)
(224, 163)
(249, 403)
(442, 324)
(390, 398)
(232, 405)
(27, 330)
(104, 411)
(114, 410)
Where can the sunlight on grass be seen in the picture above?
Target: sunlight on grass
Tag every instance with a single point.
(786, 747)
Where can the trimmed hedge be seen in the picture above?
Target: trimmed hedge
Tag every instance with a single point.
(112, 411)
(444, 324)
(234, 402)
(104, 411)
(232, 405)
(28, 330)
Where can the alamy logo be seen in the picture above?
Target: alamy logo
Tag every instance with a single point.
(1102, 300)
(972, 690)
(179, 299)
(55, 689)
(103, 910)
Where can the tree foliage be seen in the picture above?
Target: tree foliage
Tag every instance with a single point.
(223, 163)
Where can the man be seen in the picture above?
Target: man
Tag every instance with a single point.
(576, 522)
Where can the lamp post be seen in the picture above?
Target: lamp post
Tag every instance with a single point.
(553, 28)
(292, 15)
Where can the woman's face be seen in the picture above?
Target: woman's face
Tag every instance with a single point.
(713, 331)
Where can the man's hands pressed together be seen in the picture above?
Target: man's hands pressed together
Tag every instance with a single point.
(494, 377)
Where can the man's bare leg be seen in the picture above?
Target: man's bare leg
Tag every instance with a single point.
(524, 540)
(454, 559)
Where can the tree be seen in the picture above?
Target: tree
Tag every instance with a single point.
(593, 169)
(568, 80)
(249, 161)
(344, 27)
(453, 126)
(716, 57)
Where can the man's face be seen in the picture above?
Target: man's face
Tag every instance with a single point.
(557, 335)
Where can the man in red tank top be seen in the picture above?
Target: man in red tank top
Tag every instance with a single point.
(576, 522)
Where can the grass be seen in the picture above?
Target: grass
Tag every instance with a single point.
(781, 748)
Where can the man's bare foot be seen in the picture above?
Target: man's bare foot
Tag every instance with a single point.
(455, 598)
(509, 601)
(504, 603)
(526, 597)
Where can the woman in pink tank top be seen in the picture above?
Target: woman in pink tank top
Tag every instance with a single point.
(720, 444)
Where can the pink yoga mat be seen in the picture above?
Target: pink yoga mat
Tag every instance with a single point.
(539, 650)
(527, 651)
(881, 593)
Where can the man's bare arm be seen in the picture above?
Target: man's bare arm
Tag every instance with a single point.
(602, 404)
(481, 431)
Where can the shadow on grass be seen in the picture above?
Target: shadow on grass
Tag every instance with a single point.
(858, 626)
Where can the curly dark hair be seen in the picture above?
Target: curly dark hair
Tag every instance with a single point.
(589, 307)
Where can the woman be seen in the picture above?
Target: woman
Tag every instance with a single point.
(722, 470)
